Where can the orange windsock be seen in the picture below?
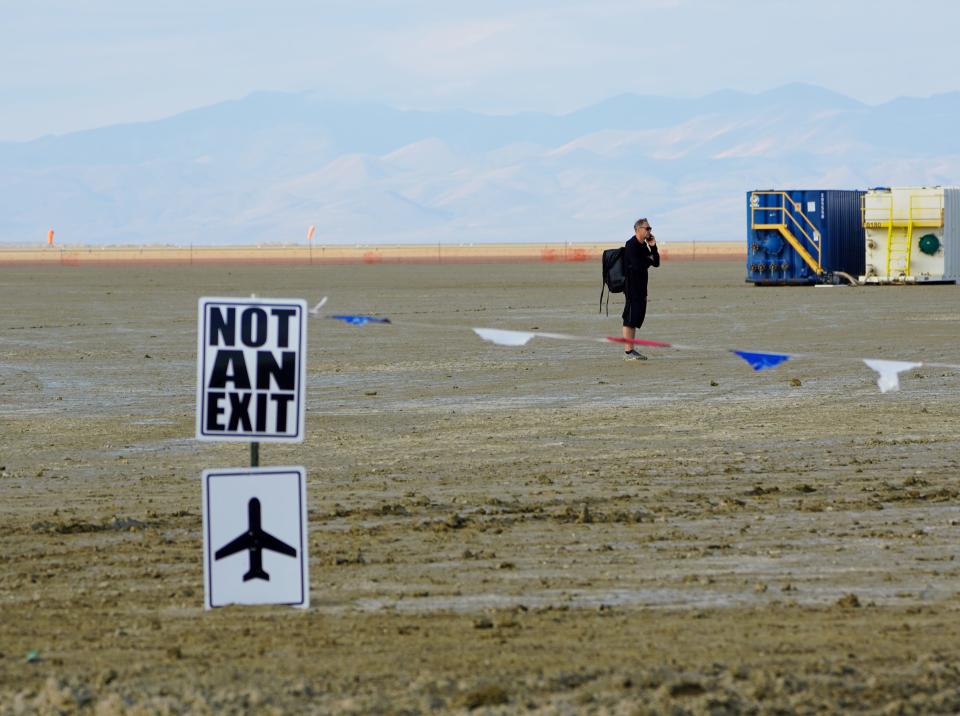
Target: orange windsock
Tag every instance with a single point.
(311, 231)
(50, 238)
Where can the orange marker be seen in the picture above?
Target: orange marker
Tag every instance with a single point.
(50, 238)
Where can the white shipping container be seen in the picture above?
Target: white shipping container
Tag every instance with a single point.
(912, 235)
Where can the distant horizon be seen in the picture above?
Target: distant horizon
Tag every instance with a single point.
(42, 245)
(265, 254)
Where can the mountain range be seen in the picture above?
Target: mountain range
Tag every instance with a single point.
(263, 168)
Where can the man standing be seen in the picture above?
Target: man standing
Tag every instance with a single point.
(640, 253)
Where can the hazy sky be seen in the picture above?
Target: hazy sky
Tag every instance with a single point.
(74, 64)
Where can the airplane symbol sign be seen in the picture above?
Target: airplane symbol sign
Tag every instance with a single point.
(255, 536)
(255, 540)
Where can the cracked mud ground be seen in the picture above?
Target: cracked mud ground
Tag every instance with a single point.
(539, 529)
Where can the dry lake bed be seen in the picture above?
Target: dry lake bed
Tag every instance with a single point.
(539, 529)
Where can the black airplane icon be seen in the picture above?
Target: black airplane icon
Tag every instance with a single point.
(255, 540)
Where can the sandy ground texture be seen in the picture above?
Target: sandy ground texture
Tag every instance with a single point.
(545, 529)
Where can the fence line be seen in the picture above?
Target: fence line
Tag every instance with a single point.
(321, 255)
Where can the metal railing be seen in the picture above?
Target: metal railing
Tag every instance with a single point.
(788, 210)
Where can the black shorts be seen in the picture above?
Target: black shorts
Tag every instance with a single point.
(634, 311)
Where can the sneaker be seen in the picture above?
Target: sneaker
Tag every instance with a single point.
(633, 355)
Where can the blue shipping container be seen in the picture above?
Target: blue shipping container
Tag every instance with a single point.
(801, 236)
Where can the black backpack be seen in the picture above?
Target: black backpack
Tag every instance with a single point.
(614, 280)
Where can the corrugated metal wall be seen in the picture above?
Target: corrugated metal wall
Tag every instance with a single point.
(844, 247)
(951, 233)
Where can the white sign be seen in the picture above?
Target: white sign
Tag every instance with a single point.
(255, 537)
(251, 369)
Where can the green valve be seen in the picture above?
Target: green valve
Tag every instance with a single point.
(929, 244)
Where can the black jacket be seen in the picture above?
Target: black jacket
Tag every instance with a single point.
(637, 258)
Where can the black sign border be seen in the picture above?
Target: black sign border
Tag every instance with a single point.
(235, 436)
(210, 558)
